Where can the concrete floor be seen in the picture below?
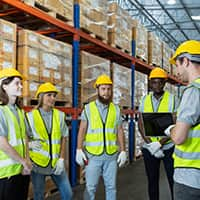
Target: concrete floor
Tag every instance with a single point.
(131, 185)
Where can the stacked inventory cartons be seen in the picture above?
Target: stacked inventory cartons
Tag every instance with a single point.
(171, 88)
(93, 17)
(91, 67)
(121, 85)
(173, 71)
(28, 62)
(141, 87)
(44, 59)
(7, 44)
(154, 50)
(140, 35)
(166, 55)
(120, 25)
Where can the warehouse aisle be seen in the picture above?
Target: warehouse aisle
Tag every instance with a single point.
(132, 185)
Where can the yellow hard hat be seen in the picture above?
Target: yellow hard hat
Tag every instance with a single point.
(103, 79)
(46, 87)
(191, 47)
(157, 72)
(9, 72)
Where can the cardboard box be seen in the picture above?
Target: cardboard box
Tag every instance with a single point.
(8, 30)
(121, 77)
(7, 53)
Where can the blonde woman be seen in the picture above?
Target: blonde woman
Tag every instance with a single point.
(48, 143)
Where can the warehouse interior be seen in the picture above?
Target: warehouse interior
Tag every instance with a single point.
(71, 42)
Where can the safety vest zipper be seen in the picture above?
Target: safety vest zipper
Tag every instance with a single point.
(104, 137)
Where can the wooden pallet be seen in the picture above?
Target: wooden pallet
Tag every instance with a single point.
(99, 37)
(45, 8)
(153, 64)
(142, 59)
(120, 48)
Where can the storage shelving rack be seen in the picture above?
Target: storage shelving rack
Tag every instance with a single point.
(26, 16)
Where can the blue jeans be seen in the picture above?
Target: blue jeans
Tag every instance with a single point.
(152, 167)
(184, 192)
(61, 182)
(107, 168)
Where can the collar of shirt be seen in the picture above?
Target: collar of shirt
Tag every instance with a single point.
(155, 99)
(45, 113)
(101, 105)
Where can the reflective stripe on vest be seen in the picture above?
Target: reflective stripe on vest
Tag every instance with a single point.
(16, 138)
(166, 105)
(45, 154)
(101, 137)
(188, 154)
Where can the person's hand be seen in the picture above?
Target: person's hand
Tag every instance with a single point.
(159, 154)
(167, 131)
(152, 147)
(121, 158)
(80, 157)
(27, 166)
(59, 167)
(35, 145)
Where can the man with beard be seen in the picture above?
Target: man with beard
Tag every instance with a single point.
(186, 132)
(157, 149)
(99, 135)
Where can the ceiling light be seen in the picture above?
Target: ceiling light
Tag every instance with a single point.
(197, 17)
(171, 2)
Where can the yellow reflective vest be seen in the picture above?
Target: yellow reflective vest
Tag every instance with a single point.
(16, 138)
(187, 155)
(166, 105)
(50, 150)
(101, 137)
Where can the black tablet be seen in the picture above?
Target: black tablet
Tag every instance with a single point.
(154, 124)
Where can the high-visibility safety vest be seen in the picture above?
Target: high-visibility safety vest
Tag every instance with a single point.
(50, 150)
(187, 155)
(166, 105)
(101, 137)
(16, 138)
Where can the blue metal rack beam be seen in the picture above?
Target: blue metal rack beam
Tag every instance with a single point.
(132, 124)
(75, 72)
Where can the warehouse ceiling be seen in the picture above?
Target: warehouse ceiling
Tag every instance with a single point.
(172, 20)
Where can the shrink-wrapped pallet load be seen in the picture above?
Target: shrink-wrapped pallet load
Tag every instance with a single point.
(43, 59)
(154, 50)
(121, 85)
(91, 67)
(119, 27)
(140, 36)
(8, 38)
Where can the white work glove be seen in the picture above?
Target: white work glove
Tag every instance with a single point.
(167, 131)
(121, 158)
(35, 145)
(59, 167)
(152, 147)
(81, 157)
(159, 154)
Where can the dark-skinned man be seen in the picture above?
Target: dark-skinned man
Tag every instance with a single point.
(156, 149)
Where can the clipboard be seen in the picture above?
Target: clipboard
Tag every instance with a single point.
(154, 124)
